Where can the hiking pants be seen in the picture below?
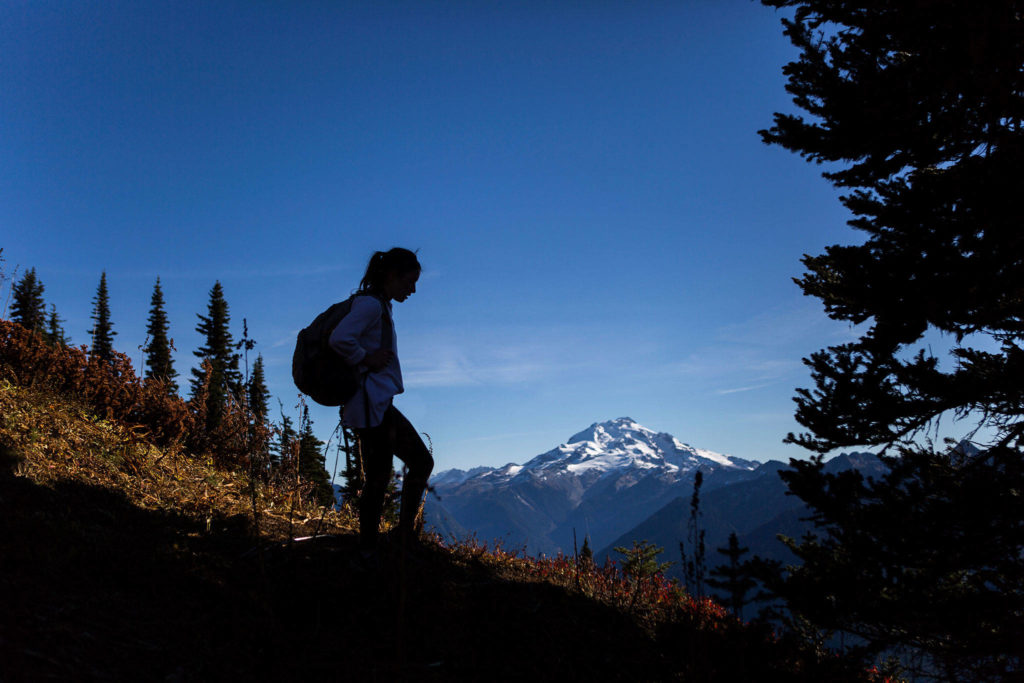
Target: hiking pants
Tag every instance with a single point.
(395, 435)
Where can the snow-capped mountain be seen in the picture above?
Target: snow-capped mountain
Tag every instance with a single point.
(622, 444)
(601, 482)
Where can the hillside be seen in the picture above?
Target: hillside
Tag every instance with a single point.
(126, 561)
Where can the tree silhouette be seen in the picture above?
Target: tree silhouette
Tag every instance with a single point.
(27, 306)
(55, 330)
(641, 561)
(102, 332)
(916, 109)
(218, 350)
(311, 461)
(159, 362)
(733, 578)
(586, 553)
(281, 451)
(259, 396)
(695, 568)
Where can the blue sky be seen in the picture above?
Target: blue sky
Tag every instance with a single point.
(602, 231)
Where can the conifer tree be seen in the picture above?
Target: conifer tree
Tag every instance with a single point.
(641, 561)
(159, 362)
(586, 554)
(259, 396)
(259, 407)
(918, 111)
(55, 331)
(312, 467)
(281, 449)
(27, 307)
(102, 347)
(218, 350)
(733, 578)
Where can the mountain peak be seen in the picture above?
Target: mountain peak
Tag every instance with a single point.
(608, 431)
(623, 442)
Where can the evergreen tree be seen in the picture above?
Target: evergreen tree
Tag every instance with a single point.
(733, 578)
(259, 406)
(218, 350)
(102, 331)
(259, 396)
(281, 451)
(55, 331)
(917, 110)
(586, 553)
(159, 363)
(27, 307)
(312, 467)
(641, 561)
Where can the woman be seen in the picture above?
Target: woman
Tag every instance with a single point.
(382, 430)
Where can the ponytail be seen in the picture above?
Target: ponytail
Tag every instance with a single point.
(383, 263)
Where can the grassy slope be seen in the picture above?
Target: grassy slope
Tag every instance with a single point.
(119, 561)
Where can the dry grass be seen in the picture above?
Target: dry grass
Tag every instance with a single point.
(51, 438)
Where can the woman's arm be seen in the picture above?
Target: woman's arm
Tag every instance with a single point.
(365, 313)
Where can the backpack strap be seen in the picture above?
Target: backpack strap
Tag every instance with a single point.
(387, 325)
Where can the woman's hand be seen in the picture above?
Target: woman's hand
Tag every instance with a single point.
(378, 359)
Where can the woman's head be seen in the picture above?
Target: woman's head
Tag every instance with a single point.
(392, 274)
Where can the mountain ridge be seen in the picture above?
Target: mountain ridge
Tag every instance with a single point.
(600, 481)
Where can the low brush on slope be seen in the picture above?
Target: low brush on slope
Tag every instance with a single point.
(123, 561)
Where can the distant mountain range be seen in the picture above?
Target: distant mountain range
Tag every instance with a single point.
(616, 482)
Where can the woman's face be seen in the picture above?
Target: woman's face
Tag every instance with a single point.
(400, 286)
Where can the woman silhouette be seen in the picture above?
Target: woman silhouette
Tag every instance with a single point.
(382, 430)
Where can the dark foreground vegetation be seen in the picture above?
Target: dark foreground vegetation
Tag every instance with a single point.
(125, 558)
(916, 111)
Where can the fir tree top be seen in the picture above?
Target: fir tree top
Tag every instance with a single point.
(159, 362)
(55, 331)
(218, 352)
(103, 330)
(259, 396)
(27, 307)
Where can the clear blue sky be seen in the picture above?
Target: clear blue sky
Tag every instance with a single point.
(602, 231)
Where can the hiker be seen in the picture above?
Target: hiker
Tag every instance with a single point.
(381, 429)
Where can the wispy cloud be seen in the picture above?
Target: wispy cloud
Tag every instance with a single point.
(715, 362)
(455, 366)
(501, 356)
(500, 437)
(287, 341)
(737, 390)
(451, 373)
(762, 350)
(797, 323)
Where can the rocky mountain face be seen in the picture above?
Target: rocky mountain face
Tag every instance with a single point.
(602, 482)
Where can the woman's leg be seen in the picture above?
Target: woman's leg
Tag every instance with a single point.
(409, 447)
(375, 448)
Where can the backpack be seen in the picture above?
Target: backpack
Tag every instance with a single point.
(318, 371)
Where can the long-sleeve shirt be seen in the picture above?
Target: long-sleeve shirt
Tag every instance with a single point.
(358, 334)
